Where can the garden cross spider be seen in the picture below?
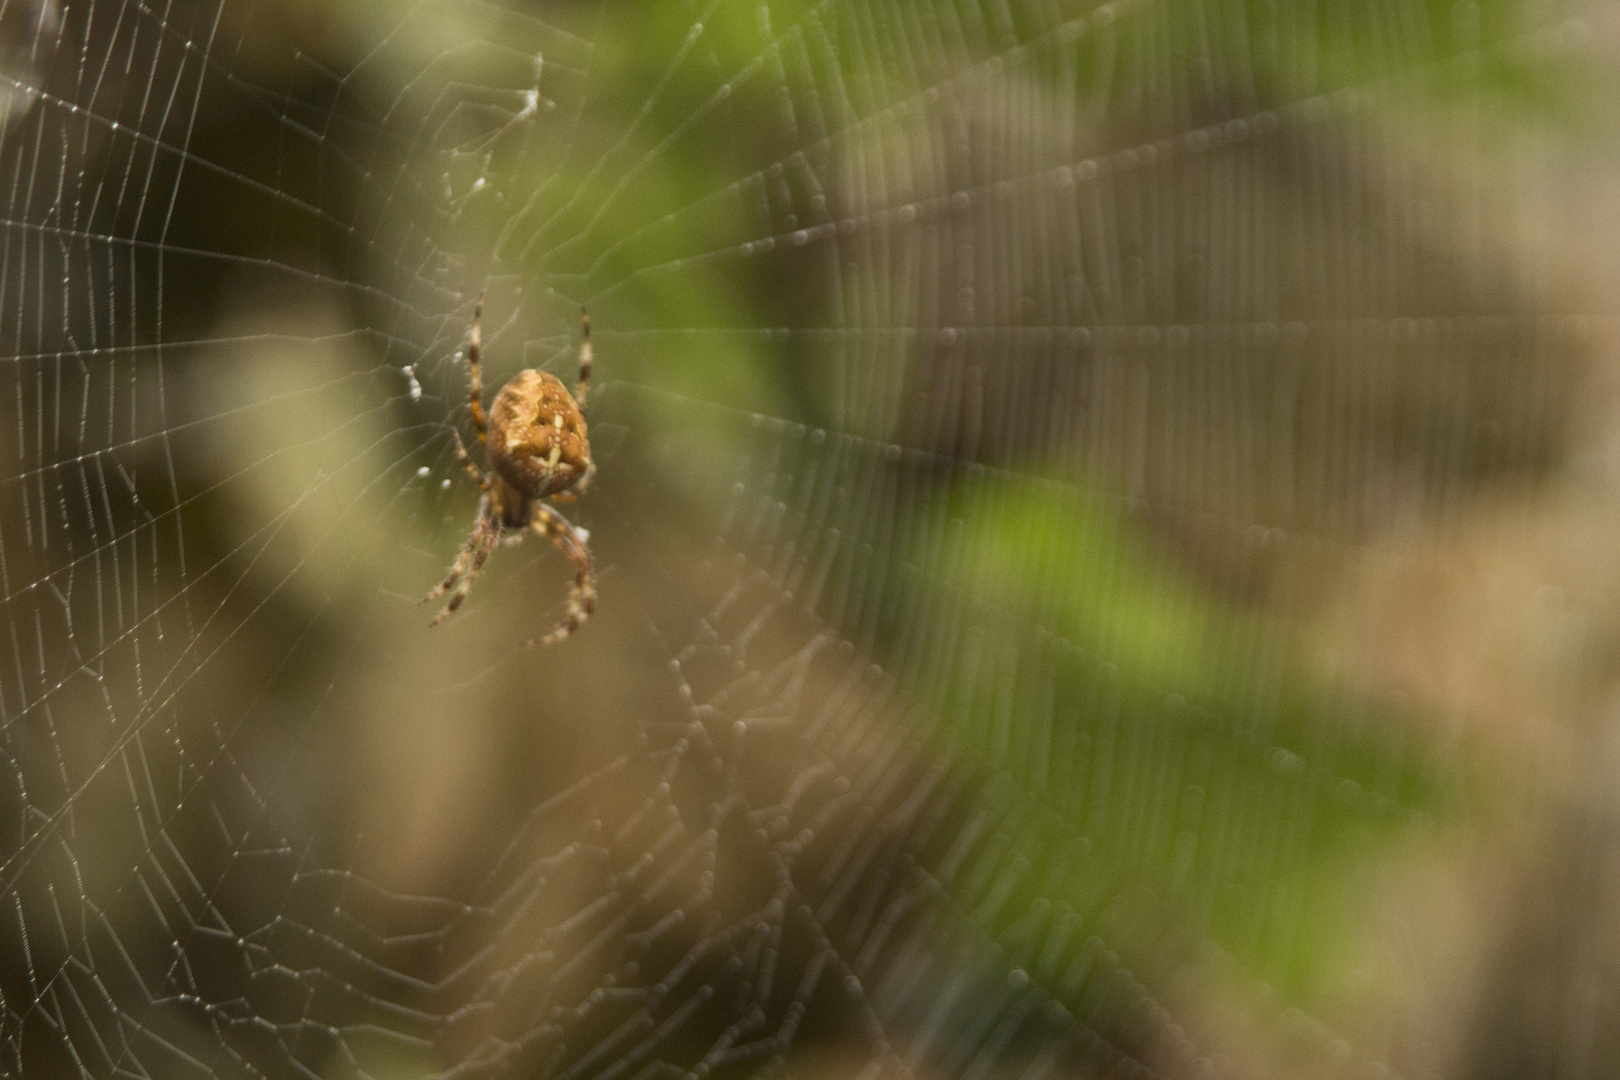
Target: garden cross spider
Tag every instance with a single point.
(535, 442)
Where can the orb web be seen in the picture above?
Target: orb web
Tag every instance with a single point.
(978, 386)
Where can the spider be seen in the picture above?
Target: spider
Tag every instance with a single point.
(536, 445)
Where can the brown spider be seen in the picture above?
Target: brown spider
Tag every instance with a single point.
(535, 442)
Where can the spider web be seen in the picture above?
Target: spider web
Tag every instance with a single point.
(983, 391)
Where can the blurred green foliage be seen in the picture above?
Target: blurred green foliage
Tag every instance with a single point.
(1178, 737)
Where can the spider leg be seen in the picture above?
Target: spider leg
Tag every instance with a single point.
(479, 554)
(582, 599)
(578, 489)
(459, 567)
(467, 462)
(469, 562)
(475, 387)
(584, 357)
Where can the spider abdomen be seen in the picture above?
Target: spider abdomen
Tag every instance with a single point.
(537, 439)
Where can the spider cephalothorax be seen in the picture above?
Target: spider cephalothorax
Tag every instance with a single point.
(536, 443)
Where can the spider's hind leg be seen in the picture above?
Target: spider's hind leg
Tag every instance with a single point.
(466, 461)
(584, 357)
(475, 383)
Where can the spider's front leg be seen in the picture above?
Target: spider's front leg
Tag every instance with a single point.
(486, 533)
(582, 598)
